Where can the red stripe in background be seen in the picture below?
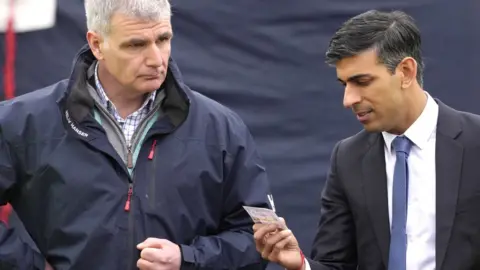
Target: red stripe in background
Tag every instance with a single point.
(10, 46)
(9, 82)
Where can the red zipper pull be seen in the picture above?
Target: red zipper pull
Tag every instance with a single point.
(129, 198)
(152, 150)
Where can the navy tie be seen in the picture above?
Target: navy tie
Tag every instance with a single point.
(398, 240)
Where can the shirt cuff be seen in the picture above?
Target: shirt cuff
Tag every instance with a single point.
(307, 265)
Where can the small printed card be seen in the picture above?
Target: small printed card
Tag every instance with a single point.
(263, 215)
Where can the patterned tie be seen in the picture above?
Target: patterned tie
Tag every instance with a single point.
(398, 240)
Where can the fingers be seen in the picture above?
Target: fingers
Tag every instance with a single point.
(276, 241)
(153, 243)
(261, 231)
(154, 255)
(145, 265)
(258, 226)
(279, 247)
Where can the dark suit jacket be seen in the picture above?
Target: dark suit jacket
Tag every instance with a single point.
(354, 225)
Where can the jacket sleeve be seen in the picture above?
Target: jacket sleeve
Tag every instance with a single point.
(334, 246)
(14, 253)
(245, 183)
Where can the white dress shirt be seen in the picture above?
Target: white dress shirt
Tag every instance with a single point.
(421, 187)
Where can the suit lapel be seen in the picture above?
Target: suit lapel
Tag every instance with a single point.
(448, 162)
(375, 188)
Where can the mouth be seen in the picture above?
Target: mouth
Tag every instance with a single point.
(363, 116)
(151, 77)
(363, 113)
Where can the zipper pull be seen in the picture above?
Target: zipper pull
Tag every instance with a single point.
(129, 158)
(129, 197)
(152, 150)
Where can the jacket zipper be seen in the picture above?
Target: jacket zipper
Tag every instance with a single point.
(129, 157)
(131, 226)
(128, 203)
(128, 208)
(130, 185)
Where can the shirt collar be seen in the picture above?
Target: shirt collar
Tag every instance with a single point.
(421, 131)
(105, 101)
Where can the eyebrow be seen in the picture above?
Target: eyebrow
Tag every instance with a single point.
(137, 40)
(166, 34)
(355, 77)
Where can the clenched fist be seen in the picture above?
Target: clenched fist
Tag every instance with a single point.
(159, 254)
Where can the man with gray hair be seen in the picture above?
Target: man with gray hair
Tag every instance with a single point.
(122, 165)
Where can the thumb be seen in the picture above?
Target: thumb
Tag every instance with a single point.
(283, 222)
(153, 243)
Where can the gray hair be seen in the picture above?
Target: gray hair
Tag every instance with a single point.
(100, 12)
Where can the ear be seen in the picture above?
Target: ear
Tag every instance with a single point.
(407, 69)
(95, 42)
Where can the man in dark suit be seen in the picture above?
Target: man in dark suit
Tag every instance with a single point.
(404, 193)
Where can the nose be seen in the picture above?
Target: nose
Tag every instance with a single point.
(351, 96)
(154, 57)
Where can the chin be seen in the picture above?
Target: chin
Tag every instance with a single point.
(150, 86)
(372, 127)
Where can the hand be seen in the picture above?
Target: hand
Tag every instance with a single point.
(48, 266)
(159, 254)
(278, 245)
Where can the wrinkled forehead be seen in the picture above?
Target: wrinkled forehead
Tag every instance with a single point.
(124, 27)
(363, 63)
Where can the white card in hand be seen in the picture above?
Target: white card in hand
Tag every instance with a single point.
(263, 215)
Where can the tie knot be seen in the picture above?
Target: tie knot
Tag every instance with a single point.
(402, 144)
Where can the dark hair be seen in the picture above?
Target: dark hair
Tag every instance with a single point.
(394, 35)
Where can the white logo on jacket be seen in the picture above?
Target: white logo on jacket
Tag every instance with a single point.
(72, 125)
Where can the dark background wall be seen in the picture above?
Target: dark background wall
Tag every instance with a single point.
(264, 59)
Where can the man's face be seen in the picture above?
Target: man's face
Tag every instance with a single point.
(136, 52)
(372, 92)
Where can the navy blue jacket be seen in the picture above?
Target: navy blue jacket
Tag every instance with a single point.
(196, 168)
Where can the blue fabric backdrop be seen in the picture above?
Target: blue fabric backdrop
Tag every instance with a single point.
(264, 59)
